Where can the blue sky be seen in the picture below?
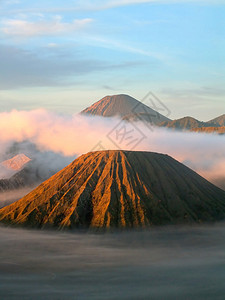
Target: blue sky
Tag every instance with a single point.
(65, 56)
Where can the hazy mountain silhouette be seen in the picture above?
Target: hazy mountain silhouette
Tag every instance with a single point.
(216, 125)
(119, 189)
(17, 162)
(186, 123)
(13, 165)
(28, 176)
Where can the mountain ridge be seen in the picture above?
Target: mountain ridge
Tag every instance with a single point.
(191, 124)
(131, 110)
(218, 121)
(185, 123)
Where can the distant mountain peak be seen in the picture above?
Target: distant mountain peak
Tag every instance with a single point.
(13, 165)
(17, 162)
(122, 105)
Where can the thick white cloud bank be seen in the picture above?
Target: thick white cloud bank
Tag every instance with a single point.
(78, 134)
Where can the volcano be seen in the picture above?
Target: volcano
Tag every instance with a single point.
(125, 107)
(121, 189)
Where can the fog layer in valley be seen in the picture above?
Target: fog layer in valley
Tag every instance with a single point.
(58, 139)
(9, 197)
(165, 263)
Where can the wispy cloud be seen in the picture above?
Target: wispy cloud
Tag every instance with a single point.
(72, 135)
(122, 46)
(56, 26)
(195, 99)
(22, 68)
(96, 5)
(195, 92)
(114, 3)
(10, 2)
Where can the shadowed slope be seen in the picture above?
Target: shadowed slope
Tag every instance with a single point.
(124, 106)
(119, 189)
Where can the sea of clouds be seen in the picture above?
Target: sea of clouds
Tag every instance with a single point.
(164, 263)
(58, 139)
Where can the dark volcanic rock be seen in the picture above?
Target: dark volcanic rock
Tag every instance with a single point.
(119, 189)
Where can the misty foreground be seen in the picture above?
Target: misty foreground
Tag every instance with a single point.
(167, 263)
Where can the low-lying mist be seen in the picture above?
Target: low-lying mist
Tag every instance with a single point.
(60, 138)
(164, 263)
(11, 196)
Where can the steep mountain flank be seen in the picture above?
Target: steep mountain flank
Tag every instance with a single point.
(119, 189)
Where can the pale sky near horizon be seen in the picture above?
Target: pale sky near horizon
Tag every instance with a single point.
(64, 56)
